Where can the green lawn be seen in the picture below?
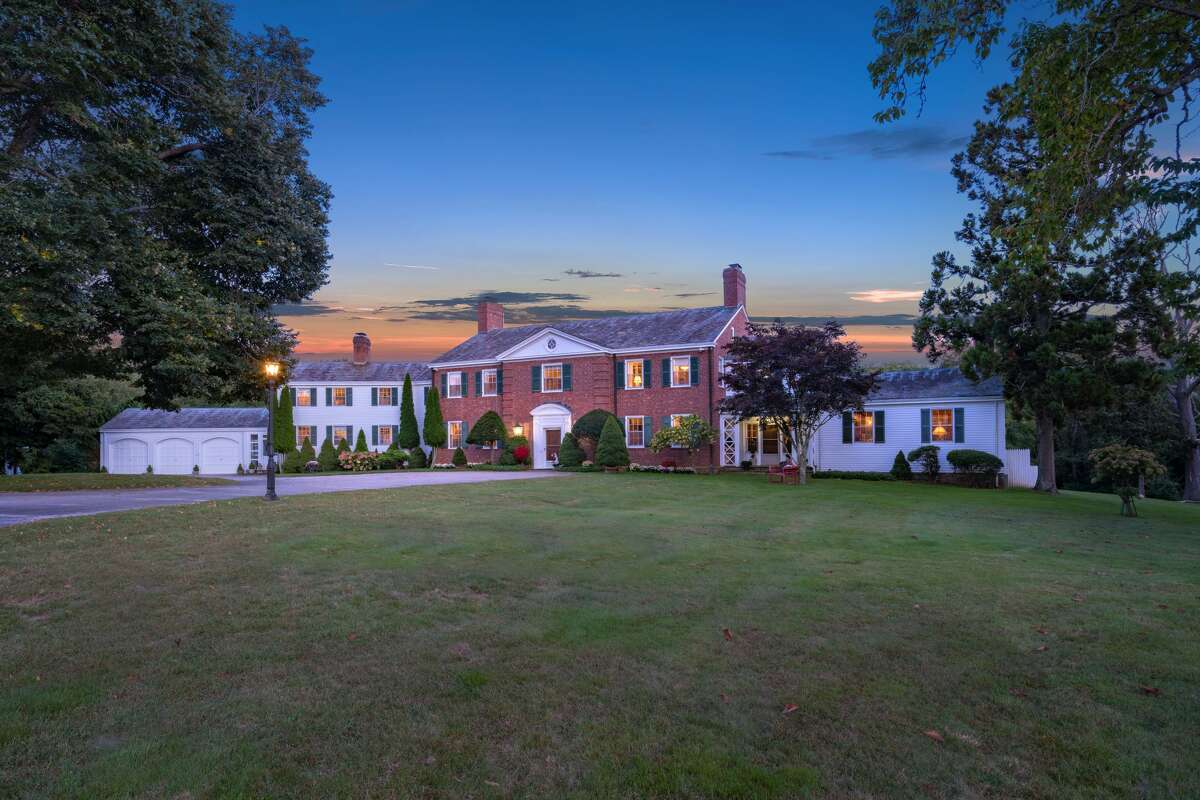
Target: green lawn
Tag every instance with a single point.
(565, 638)
(78, 481)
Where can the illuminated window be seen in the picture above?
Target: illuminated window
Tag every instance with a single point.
(489, 383)
(634, 378)
(681, 371)
(941, 424)
(454, 385)
(340, 434)
(454, 437)
(675, 420)
(303, 432)
(552, 377)
(864, 426)
(385, 434)
(384, 396)
(339, 395)
(304, 397)
(635, 432)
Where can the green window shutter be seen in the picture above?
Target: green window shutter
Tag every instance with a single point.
(349, 395)
(374, 395)
(395, 395)
(535, 378)
(374, 434)
(647, 371)
(847, 427)
(879, 433)
(666, 371)
(500, 379)
(292, 392)
(647, 429)
(329, 433)
(666, 421)
(312, 396)
(462, 381)
(619, 373)
(445, 392)
(479, 383)
(925, 426)
(960, 425)
(350, 435)
(395, 432)
(566, 381)
(328, 395)
(694, 370)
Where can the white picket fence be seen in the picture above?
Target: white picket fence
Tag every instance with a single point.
(1020, 472)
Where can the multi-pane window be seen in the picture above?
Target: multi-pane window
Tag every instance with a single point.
(454, 431)
(489, 383)
(304, 397)
(864, 426)
(340, 434)
(675, 420)
(384, 395)
(634, 376)
(681, 371)
(385, 434)
(454, 384)
(635, 432)
(552, 377)
(339, 395)
(303, 432)
(941, 424)
(254, 447)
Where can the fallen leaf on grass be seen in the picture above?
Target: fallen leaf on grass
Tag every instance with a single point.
(1042, 631)
(1153, 691)
(1040, 649)
(790, 707)
(728, 634)
(937, 737)
(724, 697)
(1021, 693)
(1163, 605)
(352, 636)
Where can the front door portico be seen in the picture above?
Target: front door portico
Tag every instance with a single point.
(548, 417)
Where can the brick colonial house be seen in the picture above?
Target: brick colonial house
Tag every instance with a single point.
(644, 368)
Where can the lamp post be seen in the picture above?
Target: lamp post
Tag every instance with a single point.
(272, 370)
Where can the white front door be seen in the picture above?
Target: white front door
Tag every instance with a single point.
(550, 423)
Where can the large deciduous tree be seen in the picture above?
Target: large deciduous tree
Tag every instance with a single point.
(796, 377)
(156, 195)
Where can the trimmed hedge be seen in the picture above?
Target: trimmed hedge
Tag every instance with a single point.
(851, 475)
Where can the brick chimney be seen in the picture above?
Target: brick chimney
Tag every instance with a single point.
(735, 286)
(491, 316)
(362, 348)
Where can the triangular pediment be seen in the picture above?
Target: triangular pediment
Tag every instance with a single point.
(549, 343)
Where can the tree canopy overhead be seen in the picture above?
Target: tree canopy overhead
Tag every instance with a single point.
(157, 198)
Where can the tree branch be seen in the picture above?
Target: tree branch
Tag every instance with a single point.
(182, 150)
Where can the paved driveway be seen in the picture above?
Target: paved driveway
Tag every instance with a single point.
(18, 507)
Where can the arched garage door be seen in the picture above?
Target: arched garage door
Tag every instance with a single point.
(129, 456)
(220, 456)
(175, 457)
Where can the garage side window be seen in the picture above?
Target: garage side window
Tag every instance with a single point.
(254, 447)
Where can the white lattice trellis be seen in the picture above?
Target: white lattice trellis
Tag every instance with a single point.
(729, 442)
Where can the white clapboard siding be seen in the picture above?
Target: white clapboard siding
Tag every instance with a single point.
(984, 421)
(362, 415)
(1020, 472)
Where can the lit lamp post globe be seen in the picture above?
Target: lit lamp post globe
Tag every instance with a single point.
(271, 368)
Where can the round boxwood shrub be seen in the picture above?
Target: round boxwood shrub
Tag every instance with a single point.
(611, 450)
(975, 461)
(927, 457)
(507, 459)
(901, 470)
(569, 453)
(459, 459)
(416, 458)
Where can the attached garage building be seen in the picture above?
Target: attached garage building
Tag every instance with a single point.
(217, 440)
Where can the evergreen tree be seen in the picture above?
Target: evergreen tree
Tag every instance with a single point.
(284, 431)
(343, 446)
(459, 459)
(328, 457)
(570, 454)
(611, 450)
(435, 426)
(416, 458)
(360, 444)
(307, 453)
(410, 433)
(901, 469)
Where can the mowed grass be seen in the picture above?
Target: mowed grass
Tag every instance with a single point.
(81, 481)
(565, 638)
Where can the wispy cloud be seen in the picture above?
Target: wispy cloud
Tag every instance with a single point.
(693, 294)
(886, 295)
(877, 143)
(306, 308)
(587, 273)
(903, 320)
(412, 266)
(637, 289)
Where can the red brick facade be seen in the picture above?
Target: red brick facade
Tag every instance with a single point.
(596, 384)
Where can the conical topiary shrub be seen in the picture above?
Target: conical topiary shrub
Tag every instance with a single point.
(569, 453)
(460, 458)
(611, 450)
(901, 469)
(360, 444)
(328, 457)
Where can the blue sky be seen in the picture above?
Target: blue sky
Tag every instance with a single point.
(504, 144)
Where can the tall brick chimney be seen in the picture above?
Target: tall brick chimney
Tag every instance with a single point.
(735, 286)
(491, 316)
(362, 348)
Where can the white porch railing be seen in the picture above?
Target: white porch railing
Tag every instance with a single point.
(1020, 472)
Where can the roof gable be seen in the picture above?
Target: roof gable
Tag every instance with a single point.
(932, 384)
(548, 343)
(147, 418)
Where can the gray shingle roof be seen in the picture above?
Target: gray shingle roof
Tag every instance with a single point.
(629, 331)
(143, 418)
(922, 384)
(372, 371)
